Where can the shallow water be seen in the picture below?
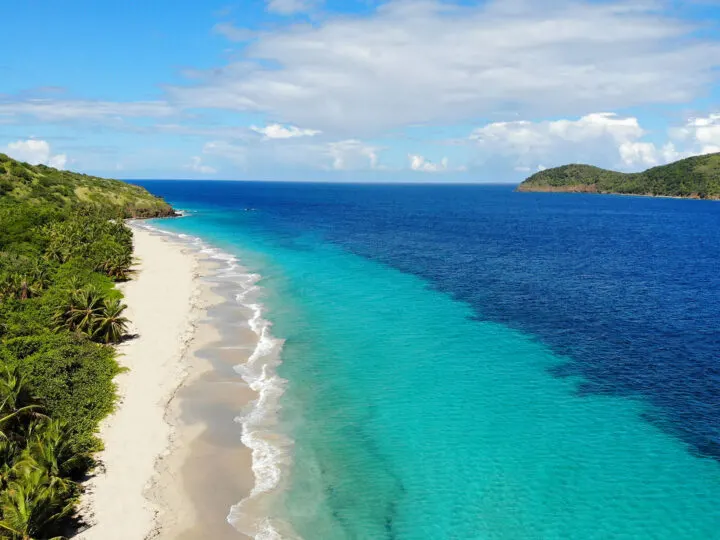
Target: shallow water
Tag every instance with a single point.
(474, 363)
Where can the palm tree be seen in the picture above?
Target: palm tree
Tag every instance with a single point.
(74, 285)
(117, 266)
(49, 447)
(33, 503)
(15, 400)
(27, 285)
(24, 284)
(82, 312)
(9, 451)
(56, 252)
(111, 326)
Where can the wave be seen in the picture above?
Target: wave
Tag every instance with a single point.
(271, 451)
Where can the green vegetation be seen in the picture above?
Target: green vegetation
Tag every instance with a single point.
(39, 185)
(695, 177)
(63, 245)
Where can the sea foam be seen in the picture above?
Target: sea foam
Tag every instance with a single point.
(271, 451)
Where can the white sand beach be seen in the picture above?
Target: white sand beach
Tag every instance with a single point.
(173, 463)
(161, 301)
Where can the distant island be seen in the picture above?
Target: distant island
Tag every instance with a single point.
(696, 177)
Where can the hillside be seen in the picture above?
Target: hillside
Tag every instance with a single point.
(62, 249)
(696, 177)
(38, 184)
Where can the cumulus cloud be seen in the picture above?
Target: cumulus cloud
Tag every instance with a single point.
(635, 154)
(595, 138)
(197, 165)
(278, 131)
(352, 155)
(600, 138)
(58, 161)
(524, 136)
(701, 132)
(420, 164)
(430, 61)
(35, 152)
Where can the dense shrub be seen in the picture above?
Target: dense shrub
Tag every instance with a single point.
(59, 311)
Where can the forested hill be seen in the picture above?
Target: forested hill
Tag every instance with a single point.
(63, 247)
(41, 185)
(696, 177)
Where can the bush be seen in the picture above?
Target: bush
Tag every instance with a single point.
(56, 383)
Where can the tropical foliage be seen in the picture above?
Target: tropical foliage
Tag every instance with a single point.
(38, 184)
(63, 245)
(697, 177)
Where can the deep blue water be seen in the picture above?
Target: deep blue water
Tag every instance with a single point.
(471, 362)
(628, 288)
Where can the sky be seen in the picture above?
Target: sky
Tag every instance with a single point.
(357, 90)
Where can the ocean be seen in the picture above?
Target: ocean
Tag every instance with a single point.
(467, 362)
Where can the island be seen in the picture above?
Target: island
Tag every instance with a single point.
(696, 177)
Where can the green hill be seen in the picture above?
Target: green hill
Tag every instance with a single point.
(38, 184)
(696, 177)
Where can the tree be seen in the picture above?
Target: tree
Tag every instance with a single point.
(82, 312)
(111, 326)
(116, 265)
(33, 503)
(15, 400)
(50, 448)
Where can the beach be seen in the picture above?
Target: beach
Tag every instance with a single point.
(171, 443)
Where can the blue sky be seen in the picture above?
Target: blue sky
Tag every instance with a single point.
(357, 90)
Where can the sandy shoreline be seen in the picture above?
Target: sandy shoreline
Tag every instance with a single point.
(172, 434)
(207, 468)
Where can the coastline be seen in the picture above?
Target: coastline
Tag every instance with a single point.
(162, 303)
(206, 468)
(592, 189)
(181, 458)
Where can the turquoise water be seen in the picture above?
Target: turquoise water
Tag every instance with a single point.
(414, 418)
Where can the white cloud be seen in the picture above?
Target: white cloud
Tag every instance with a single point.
(296, 153)
(58, 161)
(527, 137)
(431, 62)
(594, 138)
(603, 139)
(61, 110)
(702, 132)
(699, 135)
(278, 131)
(352, 155)
(420, 164)
(646, 154)
(35, 152)
(290, 7)
(197, 165)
